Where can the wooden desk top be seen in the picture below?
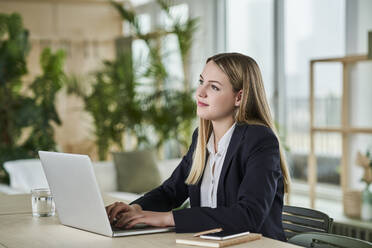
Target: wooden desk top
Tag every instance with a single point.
(15, 204)
(19, 229)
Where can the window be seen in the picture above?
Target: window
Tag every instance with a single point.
(172, 61)
(250, 30)
(313, 29)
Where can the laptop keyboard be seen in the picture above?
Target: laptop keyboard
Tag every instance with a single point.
(136, 227)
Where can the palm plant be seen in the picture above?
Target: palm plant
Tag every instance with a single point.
(170, 112)
(114, 104)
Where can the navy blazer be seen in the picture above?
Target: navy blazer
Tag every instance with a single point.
(250, 189)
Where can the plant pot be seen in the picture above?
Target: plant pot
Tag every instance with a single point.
(352, 203)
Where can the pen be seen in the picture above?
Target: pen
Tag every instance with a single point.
(208, 231)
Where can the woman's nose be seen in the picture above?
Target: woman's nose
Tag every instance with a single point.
(201, 91)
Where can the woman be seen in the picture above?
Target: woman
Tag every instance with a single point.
(234, 172)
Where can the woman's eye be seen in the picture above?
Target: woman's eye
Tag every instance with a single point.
(200, 81)
(215, 88)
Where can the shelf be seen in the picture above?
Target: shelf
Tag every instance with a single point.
(348, 59)
(342, 130)
(345, 129)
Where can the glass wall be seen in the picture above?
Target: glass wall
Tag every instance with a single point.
(250, 30)
(313, 29)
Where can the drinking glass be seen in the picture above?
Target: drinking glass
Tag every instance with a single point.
(42, 203)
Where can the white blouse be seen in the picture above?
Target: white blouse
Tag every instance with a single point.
(209, 185)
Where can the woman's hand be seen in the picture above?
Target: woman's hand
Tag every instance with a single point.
(124, 215)
(120, 214)
(160, 219)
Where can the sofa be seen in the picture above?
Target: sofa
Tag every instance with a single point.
(28, 174)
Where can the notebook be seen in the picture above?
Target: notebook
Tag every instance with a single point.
(77, 196)
(197, 241)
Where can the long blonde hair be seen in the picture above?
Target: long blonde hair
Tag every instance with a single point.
(244, 74)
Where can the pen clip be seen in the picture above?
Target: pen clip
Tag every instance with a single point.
(207, 232)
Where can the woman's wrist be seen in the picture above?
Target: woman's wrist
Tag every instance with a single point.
(137, 207)
(170, 219)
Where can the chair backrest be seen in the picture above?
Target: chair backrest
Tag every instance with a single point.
(299, 220)
(327, 240)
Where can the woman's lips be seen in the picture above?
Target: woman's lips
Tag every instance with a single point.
(201, 104)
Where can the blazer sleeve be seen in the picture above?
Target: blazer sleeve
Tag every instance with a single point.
(173, 192)
(261, 172)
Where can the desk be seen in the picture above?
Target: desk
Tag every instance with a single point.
(15, 204)
(19, 229)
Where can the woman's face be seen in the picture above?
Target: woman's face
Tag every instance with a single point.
(215, 97)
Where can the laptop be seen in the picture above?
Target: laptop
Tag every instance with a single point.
(77, 196)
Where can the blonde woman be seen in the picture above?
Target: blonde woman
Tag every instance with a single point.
(234, 172)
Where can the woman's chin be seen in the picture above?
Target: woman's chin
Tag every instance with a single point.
(204, 117)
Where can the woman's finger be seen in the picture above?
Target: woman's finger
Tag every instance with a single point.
(110, 207)
(119, 205)
(134, 222)
(116, 210)
(126, 218)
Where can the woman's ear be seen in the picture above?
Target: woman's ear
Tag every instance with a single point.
(238, 98)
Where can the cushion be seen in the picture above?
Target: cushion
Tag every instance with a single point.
(7, 190)
(26, 174)
(106, 175)
(167, 166)
(136, 171)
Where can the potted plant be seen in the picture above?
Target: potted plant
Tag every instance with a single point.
(26, 112)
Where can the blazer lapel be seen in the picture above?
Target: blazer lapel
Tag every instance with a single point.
(234, 143)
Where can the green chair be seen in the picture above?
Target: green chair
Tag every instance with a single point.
(327, 240)
(298, 220)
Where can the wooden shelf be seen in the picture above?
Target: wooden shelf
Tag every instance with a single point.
(347, 59)
(353, 130)
(345, 129)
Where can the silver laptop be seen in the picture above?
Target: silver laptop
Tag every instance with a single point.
(77, 196)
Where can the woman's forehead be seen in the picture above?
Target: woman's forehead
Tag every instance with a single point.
(213, 72)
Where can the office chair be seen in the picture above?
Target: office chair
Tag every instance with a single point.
(327, 240)
(298, 220)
